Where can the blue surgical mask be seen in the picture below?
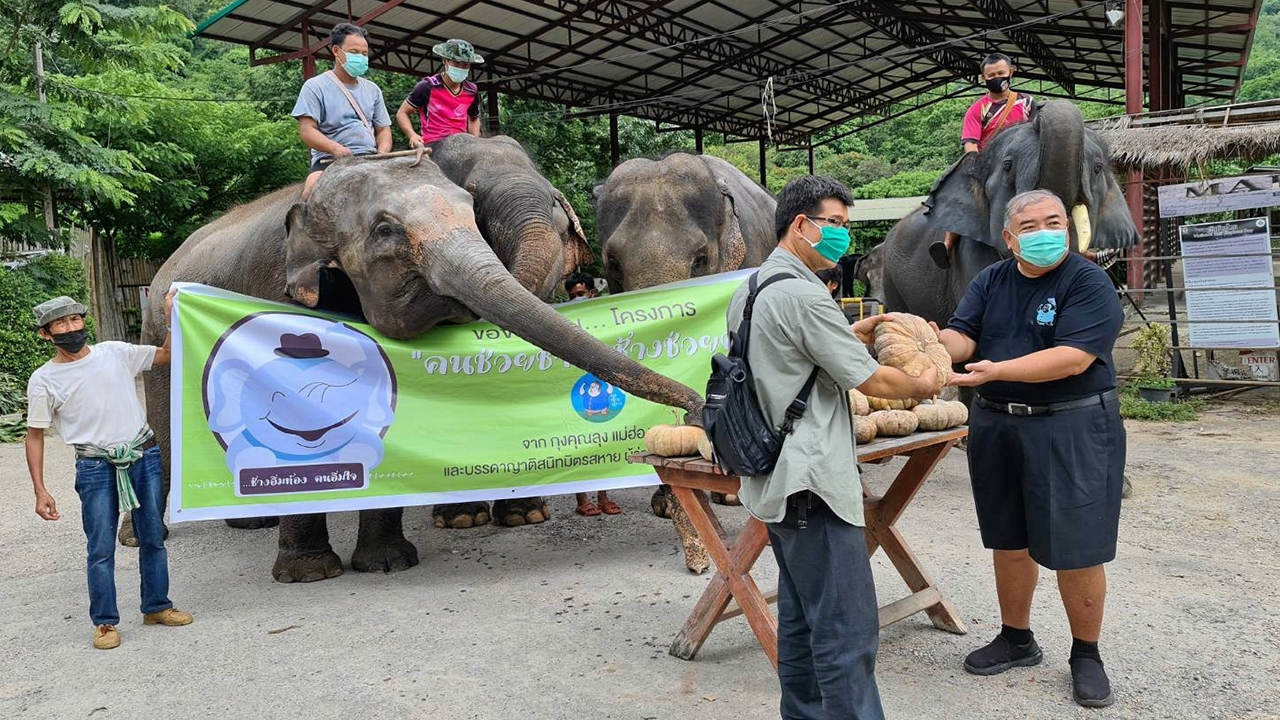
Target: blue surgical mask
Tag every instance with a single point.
(1042, 248)
(834, 243)
(356, 64)
(457, 74)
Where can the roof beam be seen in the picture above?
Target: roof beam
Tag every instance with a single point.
(885, 17)
(366, 18)
(999, 13)
(437, 22)
(297, 20)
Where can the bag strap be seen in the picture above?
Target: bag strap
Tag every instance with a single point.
(350, 99)
(797, 407)
(1004, 114)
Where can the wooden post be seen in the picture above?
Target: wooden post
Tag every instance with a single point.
(614, 153)
(308, 60)
(495, 123)
(1133, 105)
(46, 189)
(764, 168)
(697, 140)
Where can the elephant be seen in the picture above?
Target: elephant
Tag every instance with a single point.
(536, 234)
(682, 216)
(395, 242)
(1054, 152)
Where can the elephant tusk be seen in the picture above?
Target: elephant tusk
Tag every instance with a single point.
(1084, 230)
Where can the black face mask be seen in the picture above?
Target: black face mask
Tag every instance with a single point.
(72, 341)
(998, 84)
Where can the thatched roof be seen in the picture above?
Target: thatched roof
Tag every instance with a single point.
(1184, 147)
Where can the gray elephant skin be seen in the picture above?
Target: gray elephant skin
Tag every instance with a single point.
(1054, 152)
(680, 216)
(398, 244)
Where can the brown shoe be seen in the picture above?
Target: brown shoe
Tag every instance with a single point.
(106, 637)
(171, 617)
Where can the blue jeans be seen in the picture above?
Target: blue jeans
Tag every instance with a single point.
(828, 622)
(100, 510)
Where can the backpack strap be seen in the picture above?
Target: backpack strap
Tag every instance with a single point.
(797, 407)
(351, 100)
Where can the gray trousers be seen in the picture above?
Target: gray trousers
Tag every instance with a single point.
(828, 621)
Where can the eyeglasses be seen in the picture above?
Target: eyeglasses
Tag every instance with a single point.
(832, 221)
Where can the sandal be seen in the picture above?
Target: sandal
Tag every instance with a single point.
(588, 509)
(610, 507)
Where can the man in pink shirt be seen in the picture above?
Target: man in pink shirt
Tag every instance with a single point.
(446, 103)
(999, 109)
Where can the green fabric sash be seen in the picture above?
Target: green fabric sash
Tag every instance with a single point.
(122, 456)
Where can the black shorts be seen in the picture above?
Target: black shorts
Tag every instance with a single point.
(1049, 483)
(320, 165)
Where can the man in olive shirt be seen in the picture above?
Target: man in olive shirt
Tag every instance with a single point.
(828, 625)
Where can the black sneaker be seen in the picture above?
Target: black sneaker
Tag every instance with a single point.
(999, 655)
(1089, 683)
(941, 258)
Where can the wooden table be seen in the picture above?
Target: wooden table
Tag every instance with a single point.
(690, 480)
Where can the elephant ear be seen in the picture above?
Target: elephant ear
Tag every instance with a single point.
(958, 202)
(576, 250)
(226, 385)
(303, 259)
(733, 249)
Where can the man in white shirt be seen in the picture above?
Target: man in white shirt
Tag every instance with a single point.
(88, 393)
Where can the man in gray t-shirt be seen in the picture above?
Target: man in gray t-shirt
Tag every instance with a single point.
(327, 121)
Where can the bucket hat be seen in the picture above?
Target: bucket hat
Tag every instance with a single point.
(59, 307)
(458, 51)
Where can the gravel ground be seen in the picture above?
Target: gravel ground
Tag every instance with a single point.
(572, 618)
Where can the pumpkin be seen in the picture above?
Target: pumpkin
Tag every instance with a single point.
(961, 413)
(909, 344)
(860, 404)
(894, 423)
(864, 430)
(674, 440)
(704, 448)
(934, 415)
(876, 403)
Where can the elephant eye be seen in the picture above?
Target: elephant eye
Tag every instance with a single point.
(699, 266)
(386, 229)
(1097, 168)
(1008, 164)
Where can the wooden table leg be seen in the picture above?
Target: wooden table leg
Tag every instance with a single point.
(882, 514)
(733, 580)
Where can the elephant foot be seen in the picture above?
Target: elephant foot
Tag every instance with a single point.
(256, 523)
(304, 567)
(391, 556)
(523, 511)
(126, 536)
(460, 516)
(695, 553)
(661, 502)
(729, 499)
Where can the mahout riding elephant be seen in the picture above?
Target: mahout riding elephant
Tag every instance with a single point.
(680, 216)
(536, 234)
(397, 243)
(1054, 152)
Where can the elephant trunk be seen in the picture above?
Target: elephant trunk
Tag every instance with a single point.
(1060, 129)
(524, 236)
(473, 275)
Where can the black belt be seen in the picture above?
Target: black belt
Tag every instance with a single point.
(1023, 410)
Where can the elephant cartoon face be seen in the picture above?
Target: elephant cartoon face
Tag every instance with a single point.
(284, 390)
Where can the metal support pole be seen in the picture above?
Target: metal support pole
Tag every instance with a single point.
(615, 155)
(308, 60)
(1133, 105)
(495, 123)
(811, 166)
(764, 169)
(697, 140)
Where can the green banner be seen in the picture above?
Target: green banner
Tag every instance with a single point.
(281, 410)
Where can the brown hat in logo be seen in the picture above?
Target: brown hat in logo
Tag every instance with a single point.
(306, 345)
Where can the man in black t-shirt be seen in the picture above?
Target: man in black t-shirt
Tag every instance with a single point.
(1046, 445)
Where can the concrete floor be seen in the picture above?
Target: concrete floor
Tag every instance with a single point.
(572, 619)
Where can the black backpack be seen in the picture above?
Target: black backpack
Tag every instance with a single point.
(744, 442)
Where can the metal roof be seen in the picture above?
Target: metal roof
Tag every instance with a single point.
(704, 63)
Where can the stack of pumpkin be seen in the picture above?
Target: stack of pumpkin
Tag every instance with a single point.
(908, 343)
